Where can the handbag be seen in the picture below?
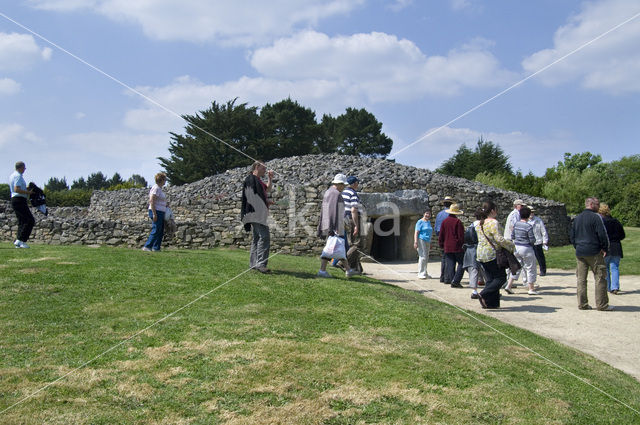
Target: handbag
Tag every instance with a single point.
(504, 258)
(168, 214)
(334, 248)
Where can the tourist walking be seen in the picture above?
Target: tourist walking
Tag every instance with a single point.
(542, 241)
(157, 210)
(589, 237)
(523, 238)
(512, 218)
(440, 217)
(352, 226)
(422, 242)
(331, 216)
(254, 213)
(615, 232)
(489, 238)
(19, 194)
(470, 263)
(451, 239)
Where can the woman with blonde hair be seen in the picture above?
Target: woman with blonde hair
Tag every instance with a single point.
(615, 232)
(157, 209)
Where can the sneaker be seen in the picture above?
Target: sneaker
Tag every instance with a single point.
(475, 296)
(265, 270)
(144, 248)
(422, 276)
(17, 243)
(508, 291)
(23, 245)
(456, 285)
(608, 308)
(530, 292)
(587, 307)
(323, 273)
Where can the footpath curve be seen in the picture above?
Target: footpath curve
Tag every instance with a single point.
(612, 336)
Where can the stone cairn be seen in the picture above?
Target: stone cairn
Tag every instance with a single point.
(208, 211)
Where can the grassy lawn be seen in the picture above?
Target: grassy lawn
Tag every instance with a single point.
(283, 348)
(564, 257)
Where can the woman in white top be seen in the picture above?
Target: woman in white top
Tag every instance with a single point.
(157, 208)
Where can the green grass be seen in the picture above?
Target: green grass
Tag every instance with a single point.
(564, 257)
(284, 348)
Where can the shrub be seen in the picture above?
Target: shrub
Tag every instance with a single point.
(69, 198)
(5, 192)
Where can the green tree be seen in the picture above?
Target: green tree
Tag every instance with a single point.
(288, 130)
(486, 157)
(97, 181)
(115, 180)
(80, 184)
(358, 132)
(628, 209)
(204, 150)
(137, 180)
(326, 141)
(55, 184)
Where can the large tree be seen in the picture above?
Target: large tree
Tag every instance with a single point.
(215, 141)
(55, 184)
(358, 132)
(288, 129)
(487, 157)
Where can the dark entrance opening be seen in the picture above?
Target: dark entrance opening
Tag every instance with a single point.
(384, 246)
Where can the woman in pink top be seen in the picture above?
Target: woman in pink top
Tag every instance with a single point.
(157, 208)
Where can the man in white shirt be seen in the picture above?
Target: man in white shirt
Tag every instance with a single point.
(542, 241)
(513, 218)
(19, 195)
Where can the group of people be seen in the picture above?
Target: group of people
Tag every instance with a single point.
(594, 233)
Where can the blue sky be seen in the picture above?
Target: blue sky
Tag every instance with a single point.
(416, 65)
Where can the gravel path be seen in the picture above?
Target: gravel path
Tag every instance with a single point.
(613, 337)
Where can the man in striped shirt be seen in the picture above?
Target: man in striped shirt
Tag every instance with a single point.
(352, 225)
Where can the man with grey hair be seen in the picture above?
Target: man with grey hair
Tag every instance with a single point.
(512, 218)
(589, 237)
(19, 194)
(254, 213)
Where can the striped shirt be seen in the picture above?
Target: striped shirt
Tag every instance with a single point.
(351, 199)
(491, 229)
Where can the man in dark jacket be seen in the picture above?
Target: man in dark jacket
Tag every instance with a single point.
(451, 239)
(589, 237)
(254, 213)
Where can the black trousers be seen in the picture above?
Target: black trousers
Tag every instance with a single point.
(451, 273)
(25, 218)
(496, 277)
(542, 262)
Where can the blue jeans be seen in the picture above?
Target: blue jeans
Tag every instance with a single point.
(613, 272)
(157, 231)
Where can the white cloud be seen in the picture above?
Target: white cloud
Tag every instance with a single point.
(248, 22)
(526, 151)
(13, 134)
(8, 86)
(611, 64)
(380, 67)
(20, 51)
(398, 5)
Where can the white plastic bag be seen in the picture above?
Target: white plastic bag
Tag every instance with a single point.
(168, 214)
(334, 248)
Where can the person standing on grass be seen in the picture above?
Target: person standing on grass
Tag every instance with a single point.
(157, 209)
(254, 213)
(589, 237)
(489, 238)
(422, 242)
(440, 217)
(512, 218)
(451, 239)
(19, 194)
(615, 232)
(523, 238)
(331, 216)
(352, 226)
(542, 241)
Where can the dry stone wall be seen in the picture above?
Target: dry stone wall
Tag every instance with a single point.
(208, 211)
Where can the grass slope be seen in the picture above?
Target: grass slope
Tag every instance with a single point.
(284, 348)
(564, 257)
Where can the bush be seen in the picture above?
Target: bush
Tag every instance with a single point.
(126, 185)
(628, 210)
(5, 192)
(69, 198)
